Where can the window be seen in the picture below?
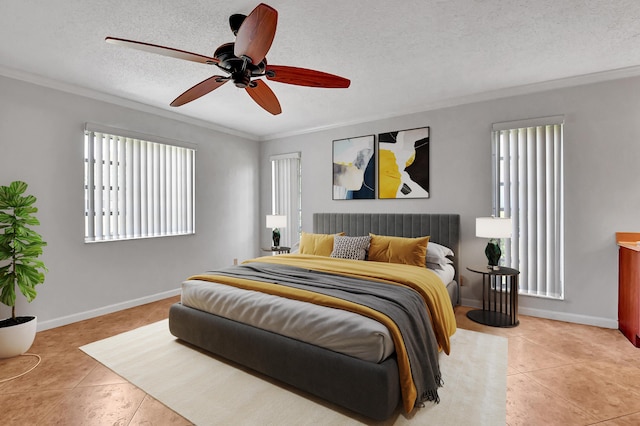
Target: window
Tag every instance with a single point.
(135, 188)
(286, 195)
(528, 187)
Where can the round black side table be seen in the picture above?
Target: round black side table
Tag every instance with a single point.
(499, 297)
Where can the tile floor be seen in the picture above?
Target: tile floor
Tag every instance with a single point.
(559, 374)
(567, 374)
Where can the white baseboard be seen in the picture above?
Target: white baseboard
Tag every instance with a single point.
(69, 319)
(558, 316)
(540, 313)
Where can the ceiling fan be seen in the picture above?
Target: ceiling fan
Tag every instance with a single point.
(244, 61)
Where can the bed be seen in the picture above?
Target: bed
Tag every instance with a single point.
(374, 388)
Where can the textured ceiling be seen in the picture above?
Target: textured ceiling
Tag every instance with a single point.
(402, 56)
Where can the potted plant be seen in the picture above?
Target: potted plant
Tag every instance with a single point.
(20, 246)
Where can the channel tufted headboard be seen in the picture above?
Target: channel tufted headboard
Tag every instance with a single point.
(442, 228)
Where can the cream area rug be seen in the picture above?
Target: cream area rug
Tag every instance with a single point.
(208, 390)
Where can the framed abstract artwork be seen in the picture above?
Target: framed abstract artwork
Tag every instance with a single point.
(403, 164)
(354, 167)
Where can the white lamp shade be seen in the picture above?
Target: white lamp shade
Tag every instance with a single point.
(493, 227)
(276, 221)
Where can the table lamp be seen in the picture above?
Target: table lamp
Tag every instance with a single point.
(275, 222)
(493, 228)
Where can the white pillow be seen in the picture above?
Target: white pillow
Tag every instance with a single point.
(354, 248)
(437, 254)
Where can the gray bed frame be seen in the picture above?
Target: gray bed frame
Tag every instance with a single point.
(365, 387)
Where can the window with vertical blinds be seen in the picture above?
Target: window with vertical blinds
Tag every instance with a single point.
(528, 187)
(286, 194)
(136, 188)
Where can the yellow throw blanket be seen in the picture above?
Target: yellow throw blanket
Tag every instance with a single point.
(425, 282)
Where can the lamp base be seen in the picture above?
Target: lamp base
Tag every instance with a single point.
(493, 253)
(276, 238)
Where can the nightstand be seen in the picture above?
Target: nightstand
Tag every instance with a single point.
(278, 250)
(499, 297)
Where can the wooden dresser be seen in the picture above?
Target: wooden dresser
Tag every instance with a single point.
(629, 285)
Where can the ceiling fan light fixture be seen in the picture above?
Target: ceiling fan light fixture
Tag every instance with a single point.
(241, 79)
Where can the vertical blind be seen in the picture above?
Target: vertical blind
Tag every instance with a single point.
(528, 187)
(136, 188)
(286, 194)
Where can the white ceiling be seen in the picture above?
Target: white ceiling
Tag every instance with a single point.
(401, 56)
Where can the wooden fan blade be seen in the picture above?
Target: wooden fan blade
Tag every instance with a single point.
(256, 33)
(199, 90)
(264, 96)
(162, 50)
(305, 77)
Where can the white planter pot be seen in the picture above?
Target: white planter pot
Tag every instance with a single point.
(17, 339)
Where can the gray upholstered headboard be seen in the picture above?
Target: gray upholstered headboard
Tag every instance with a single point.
(442, 228)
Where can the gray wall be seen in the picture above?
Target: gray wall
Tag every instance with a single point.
(41, 142)
(602, 148)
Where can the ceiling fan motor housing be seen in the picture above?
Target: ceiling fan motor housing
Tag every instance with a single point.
(235, 21)
(241, 70)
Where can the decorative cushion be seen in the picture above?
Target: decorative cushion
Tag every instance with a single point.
(410, 251)
(350, 247)
(317, 244)
(437, 254)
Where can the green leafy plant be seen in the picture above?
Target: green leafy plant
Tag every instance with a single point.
(19, 245)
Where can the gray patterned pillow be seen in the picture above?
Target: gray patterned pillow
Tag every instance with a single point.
(350, 247)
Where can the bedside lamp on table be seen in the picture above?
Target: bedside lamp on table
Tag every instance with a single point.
(493, 228)
(275, 222)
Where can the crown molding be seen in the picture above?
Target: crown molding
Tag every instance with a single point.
(580, 80)
(508, 92)
(116, 100)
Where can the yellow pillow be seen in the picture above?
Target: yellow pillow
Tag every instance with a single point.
(410, 251)
(318, 244)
